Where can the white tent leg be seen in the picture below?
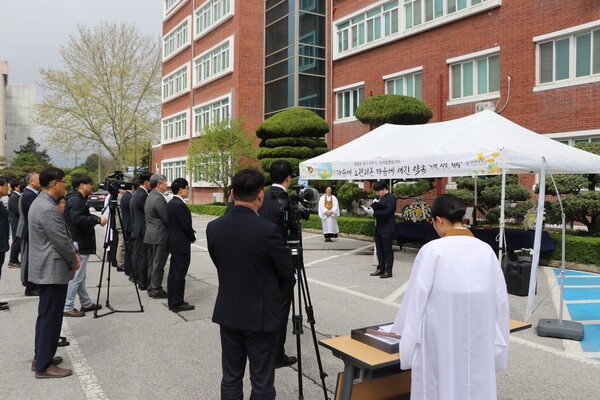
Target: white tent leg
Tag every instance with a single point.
(537, 242)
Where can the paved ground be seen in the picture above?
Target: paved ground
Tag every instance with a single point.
(161, 355)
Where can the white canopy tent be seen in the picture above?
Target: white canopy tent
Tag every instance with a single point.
(481, 144)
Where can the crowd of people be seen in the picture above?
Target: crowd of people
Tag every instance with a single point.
(453, 320)
(53, 233)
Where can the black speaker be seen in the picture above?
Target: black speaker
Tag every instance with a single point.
(517, 274)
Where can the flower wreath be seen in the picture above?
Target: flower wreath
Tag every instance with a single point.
(417, 211)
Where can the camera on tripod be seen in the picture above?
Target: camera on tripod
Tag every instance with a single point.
(296, 207)
(113, 182)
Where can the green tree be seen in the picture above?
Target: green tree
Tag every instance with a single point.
(394, 109)
(33, 148)
(224, 148)
(580, 199)
(489, 193)
(91, 163)
(348, 193)
(106, 91)
(21, 165)
(293, 135)
(413, 189)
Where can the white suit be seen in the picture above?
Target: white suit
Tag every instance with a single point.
(330, 224)
(454, 320)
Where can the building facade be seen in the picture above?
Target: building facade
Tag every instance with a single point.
(16, 106)
(237, 59)
(536, 62)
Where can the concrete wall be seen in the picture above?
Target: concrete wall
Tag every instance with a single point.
(20, 100)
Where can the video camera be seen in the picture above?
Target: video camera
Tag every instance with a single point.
(296, 207)
(113, 182)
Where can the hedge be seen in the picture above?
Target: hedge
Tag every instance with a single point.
(207, 209)
(293, 141)
(285, 152)
(266, 163)
(578, 249)
(293, 122)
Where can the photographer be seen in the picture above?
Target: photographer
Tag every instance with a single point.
(281, 176)
(81, 226)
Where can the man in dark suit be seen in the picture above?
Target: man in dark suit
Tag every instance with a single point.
(52, 261)
(155, 211)
(181, 235)
(253, 266)
(384, 209)
(281, 176)
(4, 231)
(138, 230)
(13, 217)
(126, 226)
(29, 195)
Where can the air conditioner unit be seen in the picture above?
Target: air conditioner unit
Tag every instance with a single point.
(217, 197)
(485, 105)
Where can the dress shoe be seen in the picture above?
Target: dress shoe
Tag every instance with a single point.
(73, 313)
(120, 269)
(62, 342)
(182, 307)
(3, 303)
(55, 361)
(33, 292)
(14, 265)
(91, 308)
(386, 275)
(161, 294)
(377, 272)
(286, 361)
(53, 371)
(4, 307)
(142, 287)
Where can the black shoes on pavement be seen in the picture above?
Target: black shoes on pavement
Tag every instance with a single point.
(182, 307)
(286, 361)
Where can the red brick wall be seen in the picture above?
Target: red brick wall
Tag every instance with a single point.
(511, 26)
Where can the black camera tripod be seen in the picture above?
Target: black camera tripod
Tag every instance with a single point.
(292, 213)
(111, 239)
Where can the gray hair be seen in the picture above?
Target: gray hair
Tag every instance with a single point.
(29, 176)
(156, 179)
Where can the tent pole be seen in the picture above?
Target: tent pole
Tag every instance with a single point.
(501, 232)
(475, 205)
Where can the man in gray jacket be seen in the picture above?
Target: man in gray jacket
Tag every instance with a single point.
(52, 263)
(155, 212)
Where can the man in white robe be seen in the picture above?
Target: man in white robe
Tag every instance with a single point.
(454, 319)
(329, 210)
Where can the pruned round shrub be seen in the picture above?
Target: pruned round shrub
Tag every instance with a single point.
(293, 141)
(266, 163)
(394, 109)
(295, 122)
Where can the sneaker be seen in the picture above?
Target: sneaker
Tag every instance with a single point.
(55, 361)
(74, 313)
(53, 371)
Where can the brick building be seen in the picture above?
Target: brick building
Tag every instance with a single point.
(537, 62)
(242, 59)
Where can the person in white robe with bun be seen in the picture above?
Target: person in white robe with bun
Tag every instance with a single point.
(454, 318)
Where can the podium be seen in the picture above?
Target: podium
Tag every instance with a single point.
(373, 373)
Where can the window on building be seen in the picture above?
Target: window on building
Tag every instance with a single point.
(406, 84)
(347, 101)
(370, 26)
(177, 39)
(210, 14)
(569, 57)
(174, 127)
(213, 63)
(168, 5)
(207, 114)
(200, 176)
(174, 169)
(475, 77)
(417, 12)
(176, 83)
